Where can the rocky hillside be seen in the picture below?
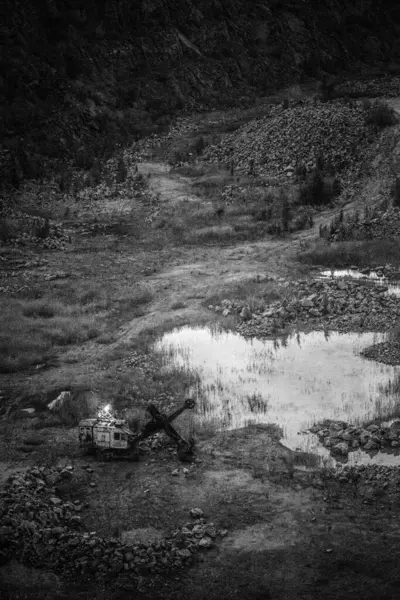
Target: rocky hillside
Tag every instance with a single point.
(79, 74)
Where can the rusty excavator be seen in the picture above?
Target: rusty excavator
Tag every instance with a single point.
(109, 437)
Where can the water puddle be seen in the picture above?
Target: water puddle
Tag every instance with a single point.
(294, 381)
(392, 285)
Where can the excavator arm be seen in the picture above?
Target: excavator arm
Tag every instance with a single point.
(160, 422)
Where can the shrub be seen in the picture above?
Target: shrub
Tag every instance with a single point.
(396, 192)
(301, 171)
(96, 174)
(40, 309)
(5, 231)
(319, 162)
(379, 113)
(326, 89)
(121, 171)
(198, 144)
(43, 231)
(64, 182)
(285, 213)
(84, 159)
(302, 220)
(312, 190)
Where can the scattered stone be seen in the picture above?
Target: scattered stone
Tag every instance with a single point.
(196, 513)
(40, 530)
(205, 542)
(342, 439)
(343, 305)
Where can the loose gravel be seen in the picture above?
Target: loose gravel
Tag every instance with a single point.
(278, 142)
(40, 529)
(340, 305)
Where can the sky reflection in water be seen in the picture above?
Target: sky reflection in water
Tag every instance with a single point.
(293, 381)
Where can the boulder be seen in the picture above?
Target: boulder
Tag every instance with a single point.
(196, 513)
(341, 448)
(371, 445)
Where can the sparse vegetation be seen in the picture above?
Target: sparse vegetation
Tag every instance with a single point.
(37, 327)
(379, 113)
(396, 192)
(317, 189)
(363, 253)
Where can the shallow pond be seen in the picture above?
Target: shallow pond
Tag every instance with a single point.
(293, 381)
(392, 285)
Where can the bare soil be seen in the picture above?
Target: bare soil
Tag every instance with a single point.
(291, 534)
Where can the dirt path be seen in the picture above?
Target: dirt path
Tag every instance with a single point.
(203, 272)
(169, 189)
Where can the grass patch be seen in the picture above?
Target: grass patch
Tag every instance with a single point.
(379, 113)
(370, 253)
(26, 341)
(134, 390)
(36, 328)
(206, 430)
(48, 422)
(106, 338)
(135, 299)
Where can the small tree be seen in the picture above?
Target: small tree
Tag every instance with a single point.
(121, 171)
(319, 162)
(317, 187)
(396, 192)
(301, 171)
(43, 231)
(5, 233)
(336, 188)
(285, 213)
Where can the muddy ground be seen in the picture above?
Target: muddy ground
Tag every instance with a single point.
(291, 533)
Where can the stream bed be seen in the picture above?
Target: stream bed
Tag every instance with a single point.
(292, 381)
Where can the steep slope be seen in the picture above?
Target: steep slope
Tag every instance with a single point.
(79, 74)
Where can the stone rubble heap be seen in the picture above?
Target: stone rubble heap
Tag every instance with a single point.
(380, 86)
(338, 304)
(373, 481)
(42, 530)
(278, 142)
(342, 438)
(387, 352)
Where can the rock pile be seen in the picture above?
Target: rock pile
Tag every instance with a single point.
(387, 352)
(342, 438)
(40, 529)
(275, 144)
(380, 86)
(338, 304)
(144, 362)
(373, 481)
